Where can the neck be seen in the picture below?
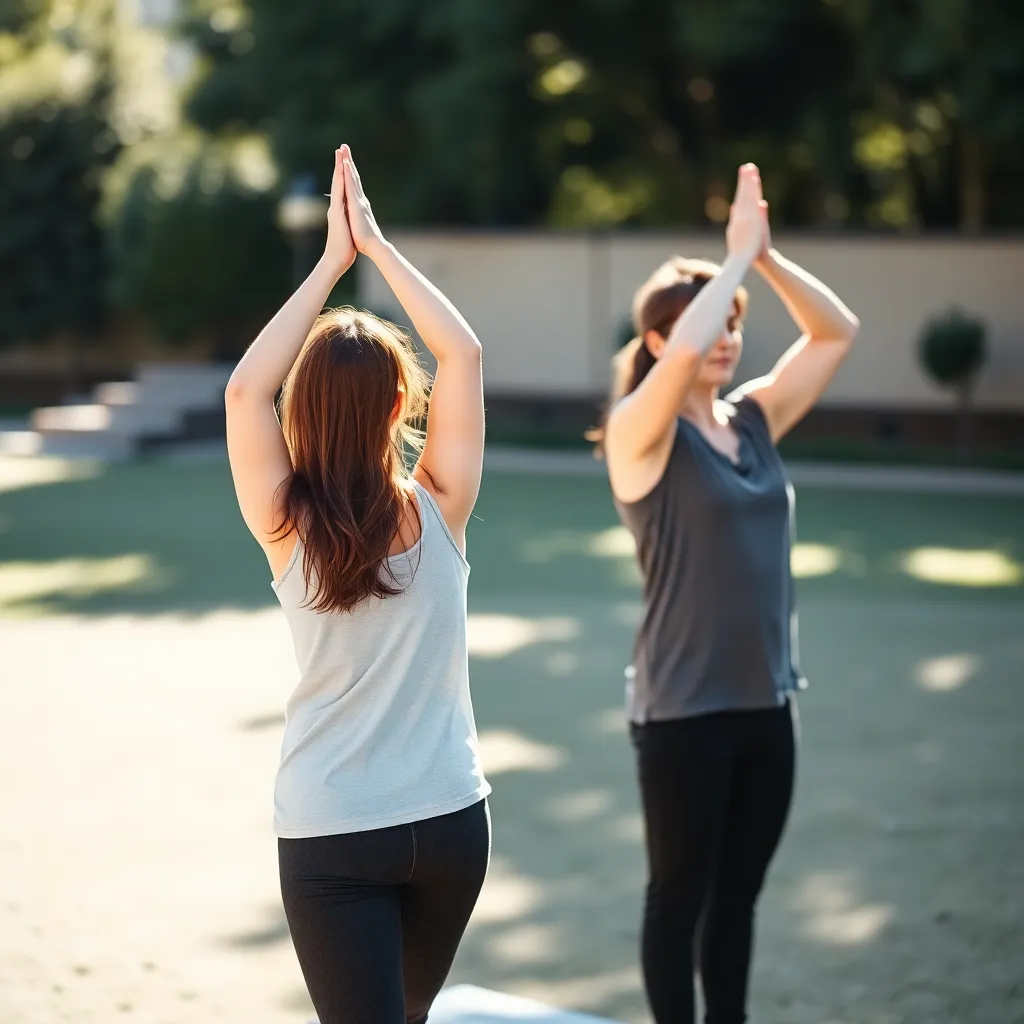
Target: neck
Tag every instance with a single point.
(699, 405)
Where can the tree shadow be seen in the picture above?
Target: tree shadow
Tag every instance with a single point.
(273, 932)
(144, 538)
(897, 888)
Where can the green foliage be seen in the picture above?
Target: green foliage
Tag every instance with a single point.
(577, 114)
(433, 98)
(939, 109)
(18, 15)
(55, 143)
(208, 258)
(51, 248)
(952, 349)
(588, 113)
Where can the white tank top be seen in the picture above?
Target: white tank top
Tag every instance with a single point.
(380, 729)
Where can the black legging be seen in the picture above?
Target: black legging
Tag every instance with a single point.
(716, 791)
(376, 917)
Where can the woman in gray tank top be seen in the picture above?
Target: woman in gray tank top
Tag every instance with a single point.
(379, 805)
(700, 485)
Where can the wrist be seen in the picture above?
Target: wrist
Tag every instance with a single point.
(742, 260)
(377, 247)
(336, 264)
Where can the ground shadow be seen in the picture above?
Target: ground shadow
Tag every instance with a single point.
(897, 894)
(141, 538)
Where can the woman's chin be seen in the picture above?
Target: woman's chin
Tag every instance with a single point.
(720, 379)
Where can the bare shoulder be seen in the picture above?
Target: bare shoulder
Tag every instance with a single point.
(751, 389)
(452, 508)
(633, 477)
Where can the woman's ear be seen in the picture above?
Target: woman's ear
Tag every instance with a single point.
(396, 408)
(655, 343)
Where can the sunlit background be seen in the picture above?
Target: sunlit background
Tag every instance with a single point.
(162, 165)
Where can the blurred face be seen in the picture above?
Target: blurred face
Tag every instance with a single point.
(719, 366)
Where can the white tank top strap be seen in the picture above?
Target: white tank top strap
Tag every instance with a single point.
(428, 501)
(294, 557)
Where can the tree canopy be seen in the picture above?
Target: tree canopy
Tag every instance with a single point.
(55, 141)
(120, 180)
(867, 113)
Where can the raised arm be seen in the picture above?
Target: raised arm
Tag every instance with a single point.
(259, 457)
(803, 373)
(452, 458)
(643, 422)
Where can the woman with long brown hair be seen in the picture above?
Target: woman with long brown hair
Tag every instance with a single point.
(700, 485)
(380, 801)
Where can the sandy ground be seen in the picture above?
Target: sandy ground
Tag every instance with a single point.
(137, 865)
(139, 870)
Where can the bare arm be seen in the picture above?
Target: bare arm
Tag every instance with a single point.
(259, 457)
(803, 373)
(453, 456)
(641, 423)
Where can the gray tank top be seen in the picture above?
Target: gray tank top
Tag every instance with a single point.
(380, 729)
(719, 629)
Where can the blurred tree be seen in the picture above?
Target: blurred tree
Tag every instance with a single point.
(55, 141)
(679, 95)
(583, 113)
(205, 259)
(51, 248)
(952, 352)
(604, 112)
(940, 110)
(433, 98)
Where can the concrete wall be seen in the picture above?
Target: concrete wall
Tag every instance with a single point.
(548, 306)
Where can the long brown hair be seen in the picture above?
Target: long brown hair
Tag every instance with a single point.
(657, 305)
(349, 411)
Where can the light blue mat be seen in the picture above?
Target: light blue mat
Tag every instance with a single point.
(467, 1004)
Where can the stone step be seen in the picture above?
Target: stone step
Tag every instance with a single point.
(131, 420)
(167, 402)
(119, 392)
(175, 375)
(95, 444)
(183, 394)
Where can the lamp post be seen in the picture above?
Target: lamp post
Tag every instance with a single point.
(302, 214)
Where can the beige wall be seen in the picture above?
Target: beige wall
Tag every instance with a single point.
(547, 306)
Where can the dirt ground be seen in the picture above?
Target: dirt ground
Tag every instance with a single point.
(137, 865)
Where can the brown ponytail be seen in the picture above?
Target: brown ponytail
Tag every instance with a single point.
(657, 305)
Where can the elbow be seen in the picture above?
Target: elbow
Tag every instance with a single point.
(239, 391)
(472, 349)
(840, 332)
(234, 392)
(469, 351)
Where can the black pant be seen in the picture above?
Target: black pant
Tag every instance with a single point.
(376, 917)
(716, 791)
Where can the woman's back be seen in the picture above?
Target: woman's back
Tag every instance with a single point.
(380, 729)
(379, 804)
